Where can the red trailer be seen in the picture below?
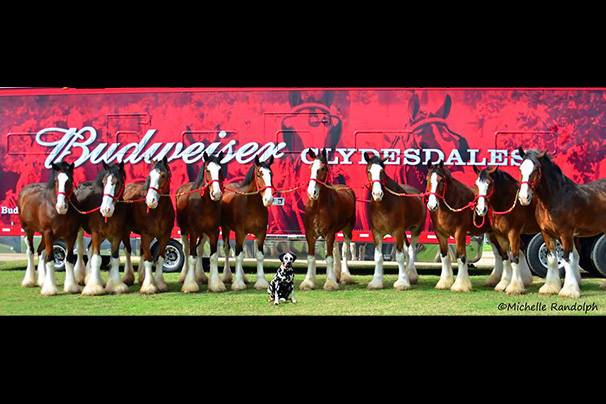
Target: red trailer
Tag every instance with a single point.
(410, 126)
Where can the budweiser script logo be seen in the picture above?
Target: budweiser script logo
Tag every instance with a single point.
(134, 153)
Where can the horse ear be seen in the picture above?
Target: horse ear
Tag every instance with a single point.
(541, 154)
(105, 166)
(270, 160)
(492, 169)
(444, 110)
(55, 166)
(121, 165)
(311, 154)
(521, 152)
(165, 160)
(257, 160)
(367, 157)
(476, 169)
(204, 156)
(413, 106)
(441, 164)
(220, 156)
(324, 154)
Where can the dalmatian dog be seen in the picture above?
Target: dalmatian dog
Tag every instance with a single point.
(281, 287)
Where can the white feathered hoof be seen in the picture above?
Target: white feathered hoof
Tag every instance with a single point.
(216, 285)
(238, 285)
(48, 289)
(307, 284)
(502, 285)
(571, 291)
(148, 288)
(227, 278)
(492, 280)
(445, 283)
(93, 290)
(116, 288)
(261, 284)
(461, 286)
(413, 278)
(161, 285)
(375, 284)
(29, 283)
(201, 278)
(401, 285)
(129, 278)
(190, 287)
(550, 289)
(330, 285)
(515, 288)
(346, 279)
(73, 288)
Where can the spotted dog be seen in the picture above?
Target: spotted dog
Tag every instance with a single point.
(281, 287)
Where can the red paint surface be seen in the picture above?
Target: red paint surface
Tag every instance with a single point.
(570, 123)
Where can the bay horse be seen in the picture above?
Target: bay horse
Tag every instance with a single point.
(45, 208)
(330, 209)
(244, 210)
(450, 205)
(564, 210)
(150, 213)
(497, 191)
(199, 219)
(108, 220)
(393, 214)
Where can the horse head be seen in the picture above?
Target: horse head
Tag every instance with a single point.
(319, 172)
(263, 177)
(211, 175)
(112, 181)
(375, 170)
(158, 182)
(437, 176)
(485, 187)
(530, 171)
(61, 182)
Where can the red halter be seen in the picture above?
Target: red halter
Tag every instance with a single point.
(532, 184)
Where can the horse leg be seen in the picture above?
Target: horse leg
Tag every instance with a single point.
(49, 287)
(159, 275)
(336, 253)
(571, 284)
(446, 276)
(261, 283)
(310, 278)
(413, 276)
(140, 266)
(185, 269)
(331, 277)
(215, 284)
(577, 269)
(227, 275)
(516, 286)
(189, 281)
(41, 261)
(29, 280)
(94, 283)
(502, 246)
(525, 269)
(346, 277)
(238, 283)
(70, 285)
(497, 271)
(552, 284)
(377, 278)
(129, 270)
(200, 275)
(403, 281)
(148, 286)
(114, 283)
(80, 267)
(462, 282)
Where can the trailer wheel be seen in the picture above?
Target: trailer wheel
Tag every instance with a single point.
(59, 253)
(536, 256)
(173, 257)
(598, 255)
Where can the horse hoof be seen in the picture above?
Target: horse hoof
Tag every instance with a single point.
(216, 286)
(346, 279)
(571, 292)
(162, 286)
(190, 287)
(148, 289)
(93, 290)
(238, 285)
(444, 284)
(331, 285)
(501, 286)
(74, 288)
(48, 291)
(401, 285)
(461, 287)
(116, 288)
(375, 284)
(29, 284)
(307, 284)
(413, 279)
(549, 289)
(203, 280)
(128, 280)
(261, 284)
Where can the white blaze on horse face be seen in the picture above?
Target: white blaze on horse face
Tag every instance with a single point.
(432, 202)
(107, 205)
(268, 197)
(313, 191)
(375, 175)
(526, 169)
(482, 190)
(61, 204)
(214, 169)
(153, 198)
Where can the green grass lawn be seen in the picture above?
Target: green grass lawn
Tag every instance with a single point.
(422, 299)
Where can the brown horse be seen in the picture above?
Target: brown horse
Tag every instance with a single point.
(450, 205)
(244, 210)
(393, 214)
(199, 218)
(45, 208)
(329, 209)
(497, 198)
(152, 219)
(109, 222)
(564, 210)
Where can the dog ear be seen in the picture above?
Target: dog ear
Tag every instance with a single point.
(281, 257)
(294, 257)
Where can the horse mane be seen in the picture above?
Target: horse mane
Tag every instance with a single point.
(554, 177)
(249, 176)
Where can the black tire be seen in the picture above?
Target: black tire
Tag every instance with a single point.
(59, 253)
(536, 256)
(174, 258)
(598, 255)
